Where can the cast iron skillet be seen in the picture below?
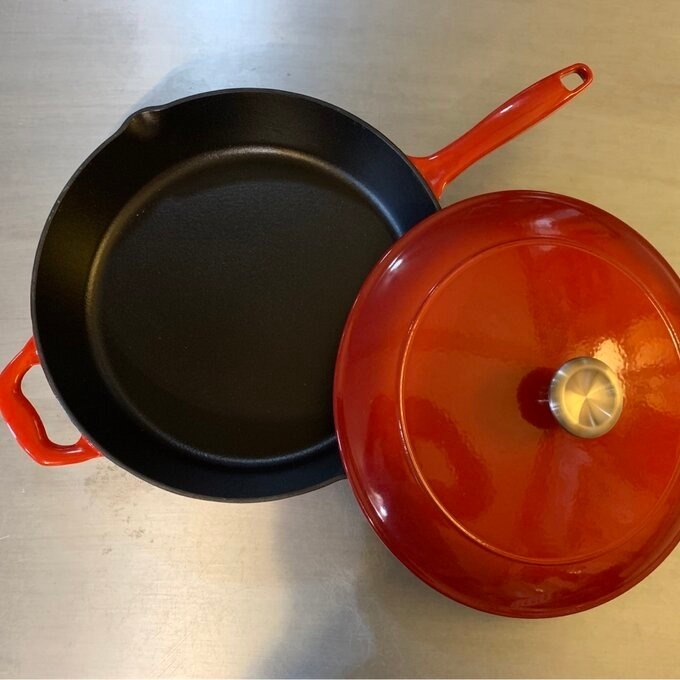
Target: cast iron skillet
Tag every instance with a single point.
(192, 282)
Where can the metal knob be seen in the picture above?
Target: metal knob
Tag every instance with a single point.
(586, 397)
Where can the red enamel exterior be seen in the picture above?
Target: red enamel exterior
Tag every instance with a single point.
(509, 120)
(441, 404)
(25, 423)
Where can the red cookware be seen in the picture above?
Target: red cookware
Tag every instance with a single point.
(193, 279)
(507, 402)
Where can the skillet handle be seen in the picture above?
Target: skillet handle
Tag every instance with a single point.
(507, 121)
(25, 423)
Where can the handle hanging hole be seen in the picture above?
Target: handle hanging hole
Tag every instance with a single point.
(572, 81)
(57, 425)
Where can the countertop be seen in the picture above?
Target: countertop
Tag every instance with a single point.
(104, 575)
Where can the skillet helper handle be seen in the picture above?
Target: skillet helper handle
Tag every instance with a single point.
(507, 121)
(25, 423)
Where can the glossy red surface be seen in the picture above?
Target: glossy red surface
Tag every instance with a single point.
(25, 423)
(442, 415)
(507, 121)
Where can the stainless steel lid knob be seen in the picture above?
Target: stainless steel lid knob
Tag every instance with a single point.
(586, 397)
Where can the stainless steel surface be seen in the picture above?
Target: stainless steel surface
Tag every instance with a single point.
(103, 575)
(586, 397)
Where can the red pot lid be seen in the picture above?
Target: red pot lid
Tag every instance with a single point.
(507, 401)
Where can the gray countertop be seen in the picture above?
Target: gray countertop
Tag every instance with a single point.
(104, 575)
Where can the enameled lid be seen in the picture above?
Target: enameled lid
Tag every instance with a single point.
(507, 402)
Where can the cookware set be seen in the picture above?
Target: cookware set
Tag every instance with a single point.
(505, 400)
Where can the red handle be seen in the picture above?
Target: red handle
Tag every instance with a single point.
(507, 121)
(24, 422)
